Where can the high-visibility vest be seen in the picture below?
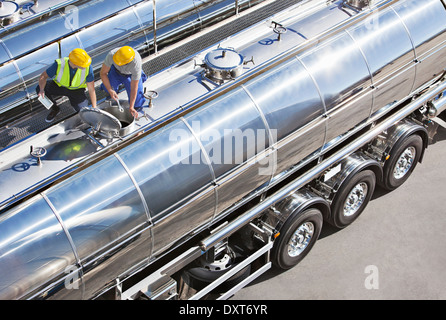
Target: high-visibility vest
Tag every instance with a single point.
(62, 77)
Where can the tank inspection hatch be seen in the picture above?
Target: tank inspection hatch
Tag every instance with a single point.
(224, 64)
(108, 120)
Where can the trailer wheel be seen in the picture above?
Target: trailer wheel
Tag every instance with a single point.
(403, 160)
(297, 237)
(352, 198)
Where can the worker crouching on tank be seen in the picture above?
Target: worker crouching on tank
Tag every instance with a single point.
(70, 76)
(123, 66)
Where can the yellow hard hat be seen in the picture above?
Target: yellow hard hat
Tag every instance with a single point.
(80, 58)
(124, 55)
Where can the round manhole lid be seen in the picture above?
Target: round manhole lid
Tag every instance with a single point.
(223, 59)
(100, 120)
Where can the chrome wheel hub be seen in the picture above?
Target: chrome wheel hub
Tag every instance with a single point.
(404, 163)
(300, 239)
(355, 199)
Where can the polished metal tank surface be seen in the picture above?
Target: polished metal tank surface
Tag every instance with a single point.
(73, 228)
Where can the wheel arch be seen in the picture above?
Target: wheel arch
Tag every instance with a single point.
(422, 132)
(366, 164)
(295, 204)
(406, 129)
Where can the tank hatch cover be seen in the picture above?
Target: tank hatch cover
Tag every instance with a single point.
(223, 59)
(100, 120)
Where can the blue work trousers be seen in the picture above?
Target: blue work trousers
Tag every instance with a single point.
(116, 79)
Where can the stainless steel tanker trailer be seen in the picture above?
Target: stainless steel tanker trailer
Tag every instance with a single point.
(244, 150)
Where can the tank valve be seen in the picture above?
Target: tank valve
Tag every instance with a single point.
(248, 61)
(145, 115)
(150, 95)
(37, 153)
(279, 30)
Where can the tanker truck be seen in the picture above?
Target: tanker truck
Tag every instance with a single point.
(244, 150)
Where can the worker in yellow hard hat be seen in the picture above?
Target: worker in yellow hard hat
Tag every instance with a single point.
(69, 77)
(123, 66)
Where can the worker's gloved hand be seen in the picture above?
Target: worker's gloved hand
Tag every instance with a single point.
(41, 93)
(133, 112)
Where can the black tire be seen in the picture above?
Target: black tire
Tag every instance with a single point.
(280, 255)
(199, 277)
(352, 198)
(410, 144)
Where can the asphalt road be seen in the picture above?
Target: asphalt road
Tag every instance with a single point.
(395, 250)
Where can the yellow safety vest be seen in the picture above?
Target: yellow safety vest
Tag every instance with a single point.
(62, 77)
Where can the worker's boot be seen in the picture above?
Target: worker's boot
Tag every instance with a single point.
(54, 111)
